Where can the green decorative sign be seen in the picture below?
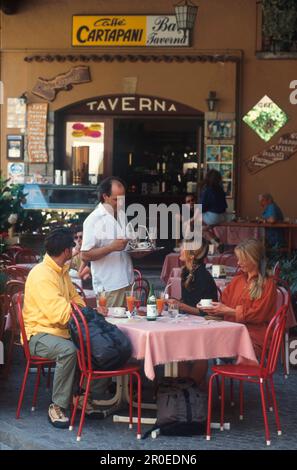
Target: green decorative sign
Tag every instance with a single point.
(266, 118)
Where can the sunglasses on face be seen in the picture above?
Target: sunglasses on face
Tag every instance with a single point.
(78, 237)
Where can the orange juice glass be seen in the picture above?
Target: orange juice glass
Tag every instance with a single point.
(160, 305)
(130, 302)
(102, 300)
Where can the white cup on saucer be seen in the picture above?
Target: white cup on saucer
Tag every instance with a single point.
(206, 302)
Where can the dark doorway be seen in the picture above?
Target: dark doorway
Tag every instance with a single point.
(158, 156)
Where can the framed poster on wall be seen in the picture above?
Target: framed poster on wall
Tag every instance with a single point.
(220, 130)
(220, 158)
(15, 147)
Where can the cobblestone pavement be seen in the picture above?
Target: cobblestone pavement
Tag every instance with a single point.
(33, 431)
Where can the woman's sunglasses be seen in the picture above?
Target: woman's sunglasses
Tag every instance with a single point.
(78, 237)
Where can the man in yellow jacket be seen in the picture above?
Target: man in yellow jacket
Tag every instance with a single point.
(47, 311)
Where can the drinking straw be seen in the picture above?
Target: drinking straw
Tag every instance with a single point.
(132, 288)
(166, 288)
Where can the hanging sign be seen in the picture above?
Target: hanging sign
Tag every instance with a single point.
(282, 150)
(133, 30)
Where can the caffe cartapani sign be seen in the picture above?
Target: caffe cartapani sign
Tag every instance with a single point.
(132, 30)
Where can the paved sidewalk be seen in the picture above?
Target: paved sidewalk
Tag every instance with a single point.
(33, 431)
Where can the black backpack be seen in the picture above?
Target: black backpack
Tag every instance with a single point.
(181, 407)
(110, 348)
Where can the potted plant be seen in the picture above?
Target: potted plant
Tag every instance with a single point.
(279, 22)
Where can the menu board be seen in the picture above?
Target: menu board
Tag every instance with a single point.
(36, 132)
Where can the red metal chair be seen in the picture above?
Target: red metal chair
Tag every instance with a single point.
(15, 273)
(259, 374)
(142, 287)
(6, 260)
(80, 291)
(284, 291)
(26, 256)
(137, 275)
(32, 361)
(10, 329)
(12, 250)
(88, 374)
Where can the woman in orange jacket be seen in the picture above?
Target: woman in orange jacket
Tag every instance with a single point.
(251, 296)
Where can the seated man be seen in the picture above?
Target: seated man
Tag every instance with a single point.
(47, 310)
(272, 214)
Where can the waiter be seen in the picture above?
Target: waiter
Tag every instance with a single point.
(104, 244)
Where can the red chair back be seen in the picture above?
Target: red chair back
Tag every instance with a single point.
(137, 276)
(12, 250)
(13, 288)
(84, 351)
(142, 287)
(284, 289)
(219, 291)
(22, 326)
(15, 273)
(80, 291)
(26, 256)
(272, 342)
(6, 260)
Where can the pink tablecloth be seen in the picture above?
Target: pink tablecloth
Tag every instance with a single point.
(164, 341)
(175, 291)
(172, 261)
(233, 235)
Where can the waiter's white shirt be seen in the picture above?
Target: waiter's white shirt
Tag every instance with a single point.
(115, 270)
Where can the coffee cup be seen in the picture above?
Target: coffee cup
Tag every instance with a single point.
(206, 302)
(143, 245)
(117, 311)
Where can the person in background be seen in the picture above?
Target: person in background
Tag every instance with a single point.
(111, 265)
(214, 205)
(77, 264)
(197, 284)
(47, 311)
(272, 214)
(251, 296)
(183, 225)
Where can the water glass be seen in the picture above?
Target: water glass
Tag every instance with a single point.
(173, 310)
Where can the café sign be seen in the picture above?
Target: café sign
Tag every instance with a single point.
(131, 105)
(132, 30)
(284, 149)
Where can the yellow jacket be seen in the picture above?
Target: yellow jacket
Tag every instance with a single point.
(48, 293)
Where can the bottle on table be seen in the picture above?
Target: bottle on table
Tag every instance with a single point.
(151, 306)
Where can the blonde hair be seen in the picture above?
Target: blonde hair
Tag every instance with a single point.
(196, 258)
(254, 250)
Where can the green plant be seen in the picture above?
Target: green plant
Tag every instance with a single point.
(288, 268)
(279, 19)
(11, 210)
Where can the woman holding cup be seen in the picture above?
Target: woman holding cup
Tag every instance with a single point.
(251, 296)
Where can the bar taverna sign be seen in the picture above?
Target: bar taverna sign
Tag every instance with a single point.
(130, 105)
(133, 30)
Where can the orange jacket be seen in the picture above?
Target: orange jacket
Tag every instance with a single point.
(255, 314)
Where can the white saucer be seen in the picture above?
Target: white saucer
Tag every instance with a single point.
(205, 306)
(111, 313)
